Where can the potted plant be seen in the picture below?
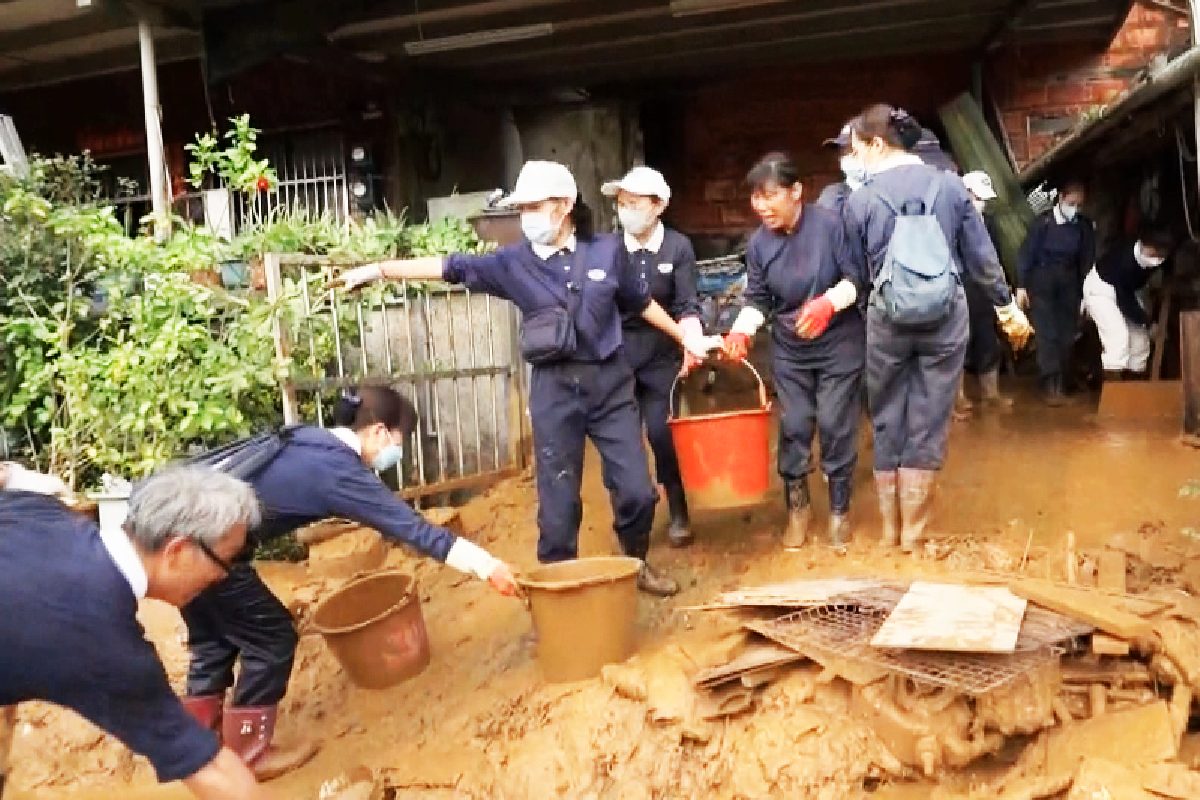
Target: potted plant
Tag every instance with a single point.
(220, 171)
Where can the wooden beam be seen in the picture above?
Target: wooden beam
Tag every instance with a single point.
(121, 59)
(1091, 607)
(456, 13)
(89, 22)
(455, 484)
(1007, 21)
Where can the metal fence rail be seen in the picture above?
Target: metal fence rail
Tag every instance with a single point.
(449, 351)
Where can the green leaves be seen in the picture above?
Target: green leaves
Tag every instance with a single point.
(234, 164)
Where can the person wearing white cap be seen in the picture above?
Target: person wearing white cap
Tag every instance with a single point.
(665, 259)
(983, 347)
(800, 272)
(571, 289)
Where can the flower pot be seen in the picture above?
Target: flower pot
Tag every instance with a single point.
(206, 277)
(234, 274)
(218, 212)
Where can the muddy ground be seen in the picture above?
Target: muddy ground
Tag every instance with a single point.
(479, 722)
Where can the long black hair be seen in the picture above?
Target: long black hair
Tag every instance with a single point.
(583, 220)
(370, 405)
(895, 126)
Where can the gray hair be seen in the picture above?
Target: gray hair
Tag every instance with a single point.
(194, 502)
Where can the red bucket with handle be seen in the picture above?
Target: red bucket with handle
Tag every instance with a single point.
(724, 458)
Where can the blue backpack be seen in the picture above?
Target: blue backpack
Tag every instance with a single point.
(918, 282)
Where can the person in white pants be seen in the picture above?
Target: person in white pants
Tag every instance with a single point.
(1110, 298)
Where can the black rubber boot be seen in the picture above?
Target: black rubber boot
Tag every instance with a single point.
(679, 534)
(839, 511)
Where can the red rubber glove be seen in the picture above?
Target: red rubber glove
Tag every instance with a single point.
(736, 346)
(815, 317)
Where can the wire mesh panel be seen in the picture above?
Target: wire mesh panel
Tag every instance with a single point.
(449, 351)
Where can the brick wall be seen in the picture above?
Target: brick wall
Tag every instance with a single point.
(729, 125)
(1042, 93)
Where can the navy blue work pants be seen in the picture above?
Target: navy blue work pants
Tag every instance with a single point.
(655, 366)
(570, 403)
(825, 401)
(240, 616)
(912, 383)
(1054, 297)
(983, 347)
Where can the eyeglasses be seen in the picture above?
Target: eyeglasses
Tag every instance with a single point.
(225, 566)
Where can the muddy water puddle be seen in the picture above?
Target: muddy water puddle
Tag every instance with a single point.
(481, 718)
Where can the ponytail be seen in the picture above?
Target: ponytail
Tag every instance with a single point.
(582, 219)
(371, 405)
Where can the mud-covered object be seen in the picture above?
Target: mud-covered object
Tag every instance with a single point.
(72, 637)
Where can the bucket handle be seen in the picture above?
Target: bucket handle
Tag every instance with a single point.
(762, 387)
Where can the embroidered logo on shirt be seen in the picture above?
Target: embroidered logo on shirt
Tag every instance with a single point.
(666, 269)
(597, 274)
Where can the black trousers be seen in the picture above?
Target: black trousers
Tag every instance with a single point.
(655, 366)
(1054, 297)
(983, 348)
(912, 380)
(240, 617)
(824, 401)
(570, 403)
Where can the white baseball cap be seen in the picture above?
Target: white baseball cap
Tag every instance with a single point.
(642, 181)
(541, 180)
(980, 184)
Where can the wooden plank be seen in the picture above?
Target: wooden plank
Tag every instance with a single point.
(1105, 645)
(1110, 573)
(963, 619)
(1189, 345)
(755, 657)
(1137, 736)
(454, 484)
(271, 263)
(1160, 335)
(975, 148)
(796, 594)
(1090, 606)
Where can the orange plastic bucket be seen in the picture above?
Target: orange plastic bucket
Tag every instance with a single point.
(724, 459)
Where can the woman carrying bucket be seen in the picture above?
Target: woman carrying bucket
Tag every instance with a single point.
(800, 272)
(666, 261)
(316, 475)
(571, 288)
(916, 235)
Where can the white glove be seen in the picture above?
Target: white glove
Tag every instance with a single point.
(26, 480)
(700, 345)
(358, 277)
(1022, 298)
(466, 556)
(1014, 324)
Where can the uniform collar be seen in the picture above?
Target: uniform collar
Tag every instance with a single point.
(1060, 219)
(897, 160)
(654, 245)
(125, 556)
(545, 251)
(348, 438)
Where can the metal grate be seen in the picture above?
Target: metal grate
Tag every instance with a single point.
(845, 632)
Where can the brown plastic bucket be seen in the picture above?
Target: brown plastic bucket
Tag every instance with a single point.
(374, 627)
(584, 612)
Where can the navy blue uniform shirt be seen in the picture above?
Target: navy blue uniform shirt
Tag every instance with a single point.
(869, 224)
(668, 265)
(317, 476)
(1120, 270)
(610, 286)
(833, 196)
(1057, 245)
(70, 636)
(786, 270)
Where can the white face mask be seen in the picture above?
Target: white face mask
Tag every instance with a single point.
(1146, 261)
(979, 204)
(636, 222)
(539, 227)
(853, 169)
(1068, 211)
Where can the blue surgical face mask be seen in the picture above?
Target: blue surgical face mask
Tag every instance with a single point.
(389, 456)
(853, 169)
(539, 227)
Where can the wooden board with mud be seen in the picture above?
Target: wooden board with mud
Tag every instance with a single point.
(960, 619)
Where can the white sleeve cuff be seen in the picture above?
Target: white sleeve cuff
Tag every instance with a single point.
(843, 295)
(466, 556)
(692, 326)
(748, 321)
(26, 480)
(1007, 313)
